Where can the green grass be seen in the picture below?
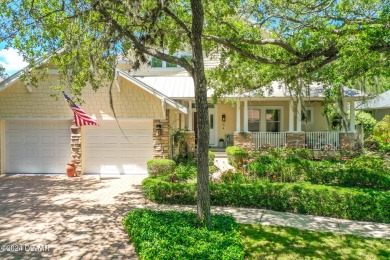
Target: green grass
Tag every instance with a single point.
(269, 242)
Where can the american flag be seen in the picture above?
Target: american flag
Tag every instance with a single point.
(80, 116)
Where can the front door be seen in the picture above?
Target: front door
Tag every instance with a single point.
(212, 122)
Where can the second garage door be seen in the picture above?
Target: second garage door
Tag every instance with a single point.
(108, 151)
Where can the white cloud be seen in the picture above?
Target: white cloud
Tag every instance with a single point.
(11, 60)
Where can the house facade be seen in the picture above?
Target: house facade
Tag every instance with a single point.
(378, 106)
(37, 134)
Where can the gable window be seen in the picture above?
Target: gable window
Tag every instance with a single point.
(307, 116)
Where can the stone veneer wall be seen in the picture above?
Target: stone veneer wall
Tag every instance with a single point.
(296, 139)
(350, 141)
(75, 144)
(244, 140)
(161, 142)
(188, 147)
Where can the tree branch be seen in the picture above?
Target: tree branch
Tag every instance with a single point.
(140, 46)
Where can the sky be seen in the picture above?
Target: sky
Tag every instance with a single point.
(11, 60)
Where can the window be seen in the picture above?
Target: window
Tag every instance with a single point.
(156, 63)
(272, 118)
(307, 116)
(254, 120)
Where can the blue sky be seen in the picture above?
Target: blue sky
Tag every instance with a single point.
(11, 60)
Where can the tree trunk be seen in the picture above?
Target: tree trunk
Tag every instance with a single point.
(203, 203)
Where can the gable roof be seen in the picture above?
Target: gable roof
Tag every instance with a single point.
(183, 87)
(152, 91)
(379, 102)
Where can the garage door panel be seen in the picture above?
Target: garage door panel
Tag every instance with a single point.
(37, 146)
(118, 155)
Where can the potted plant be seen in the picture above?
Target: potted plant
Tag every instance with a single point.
(221, 142)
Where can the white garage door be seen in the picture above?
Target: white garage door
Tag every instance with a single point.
(37, 146)
(107, 150)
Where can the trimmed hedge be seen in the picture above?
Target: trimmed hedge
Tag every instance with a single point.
(174, 235)
(348, 203)
(160, 166)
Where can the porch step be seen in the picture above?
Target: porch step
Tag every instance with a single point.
(220, 154)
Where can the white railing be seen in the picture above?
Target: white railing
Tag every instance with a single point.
(267, 139)
(322, 140)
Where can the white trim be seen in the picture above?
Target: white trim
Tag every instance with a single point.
(36, 118)
(299, 116)
(352, 116)
(238, 116)
(245, 115)
(291, 116)
(216, 126)
(190, 121)
(82, 150)
(152, 91)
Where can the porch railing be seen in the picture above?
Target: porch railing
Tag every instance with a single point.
(322, 140)
(266, 139)
(313, 140)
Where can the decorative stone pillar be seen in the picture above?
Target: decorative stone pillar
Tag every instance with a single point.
(190, 141)
(161, 139)
(75, 145)
(350, 141)
(295, 139)
(244, 140)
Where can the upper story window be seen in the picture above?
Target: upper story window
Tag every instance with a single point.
(157, 63)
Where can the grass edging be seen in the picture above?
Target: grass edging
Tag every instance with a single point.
(320, 200)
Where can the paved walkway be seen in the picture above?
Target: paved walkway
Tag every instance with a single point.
(275, 218)
(80, 218)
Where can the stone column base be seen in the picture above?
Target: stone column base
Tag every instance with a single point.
(244, 140)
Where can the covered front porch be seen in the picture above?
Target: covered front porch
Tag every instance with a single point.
(290, 124)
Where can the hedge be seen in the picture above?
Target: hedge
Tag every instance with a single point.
(174, 235)
(160, 166)
(347, 203)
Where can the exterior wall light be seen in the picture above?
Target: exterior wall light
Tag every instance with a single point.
(158, 129)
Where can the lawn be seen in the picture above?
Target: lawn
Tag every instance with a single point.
(175, 235)
(269, 242)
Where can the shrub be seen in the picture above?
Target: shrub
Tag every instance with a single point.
(174, 235)
(231, 176)
(364, 172)
(367, 121)
(382, 130)
(236, 155)
(160, 166)
(349, 203)
(211, 158)
(185, 172)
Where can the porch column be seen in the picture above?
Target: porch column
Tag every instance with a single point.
(352, 116)
(246, 116)
(291, 117)
(238, 115)
(299, 116)
(190, 115)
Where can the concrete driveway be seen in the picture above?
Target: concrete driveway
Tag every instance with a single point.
(56, 217)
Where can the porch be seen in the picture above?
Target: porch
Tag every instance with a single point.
(317, 141)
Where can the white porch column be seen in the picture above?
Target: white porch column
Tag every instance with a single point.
(291, 117)
(352, 116)
(190, 115)
(238, 115)
(299, 116)
(246, 116)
